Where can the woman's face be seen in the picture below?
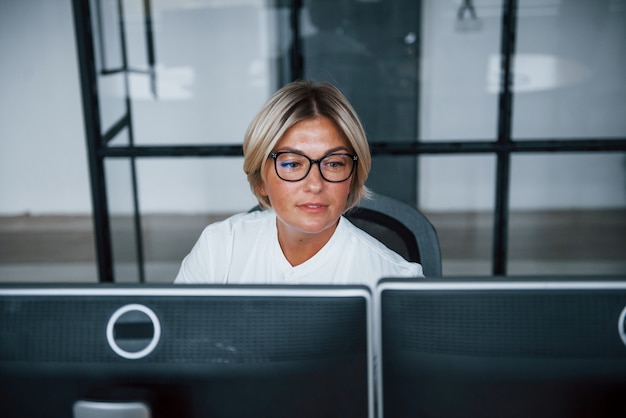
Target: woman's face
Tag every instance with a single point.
(311, 206)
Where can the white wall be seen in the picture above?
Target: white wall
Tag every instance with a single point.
(43, 159)
(43, 163)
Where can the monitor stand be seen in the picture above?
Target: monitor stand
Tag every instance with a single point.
(95, 409)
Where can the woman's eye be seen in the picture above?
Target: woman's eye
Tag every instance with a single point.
(336, 162)
(290, 164)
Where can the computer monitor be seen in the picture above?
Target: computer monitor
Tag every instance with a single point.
(502, 347)
(185, 351)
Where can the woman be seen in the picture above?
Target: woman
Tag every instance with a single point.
(307, 158)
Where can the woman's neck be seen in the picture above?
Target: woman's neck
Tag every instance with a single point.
(298, 246)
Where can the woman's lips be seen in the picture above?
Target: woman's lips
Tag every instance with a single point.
(313, 207)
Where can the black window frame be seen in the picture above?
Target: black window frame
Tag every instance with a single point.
(503, 147)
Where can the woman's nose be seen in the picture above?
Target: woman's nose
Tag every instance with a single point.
(315, 181)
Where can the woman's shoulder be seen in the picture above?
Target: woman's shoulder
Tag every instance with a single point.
(360, 236)
(372, 250)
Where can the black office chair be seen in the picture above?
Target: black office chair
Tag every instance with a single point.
(401, 227)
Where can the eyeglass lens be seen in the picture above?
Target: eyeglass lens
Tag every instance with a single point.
(294, 167)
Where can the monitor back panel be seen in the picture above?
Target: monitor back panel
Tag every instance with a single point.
(496, 348)
(186, 350)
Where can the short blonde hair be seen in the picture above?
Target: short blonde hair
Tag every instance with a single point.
(295, 102)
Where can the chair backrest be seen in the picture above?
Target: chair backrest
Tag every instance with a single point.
(401, 227)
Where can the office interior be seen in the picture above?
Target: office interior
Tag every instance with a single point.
(507, 119)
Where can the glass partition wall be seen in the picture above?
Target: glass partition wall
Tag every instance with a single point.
(502, 120)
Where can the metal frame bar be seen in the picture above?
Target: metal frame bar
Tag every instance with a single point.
(296, 60)
(91, 114)
(512, 146)
(390, 148)
(116, 128)
(503, 163)
(131, 141)
(150, 50)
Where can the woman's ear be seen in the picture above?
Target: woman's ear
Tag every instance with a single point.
(260, 188)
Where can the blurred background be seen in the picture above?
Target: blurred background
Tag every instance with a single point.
(121, 123)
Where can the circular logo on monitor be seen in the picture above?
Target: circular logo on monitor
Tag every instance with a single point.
(133, 331)
(621, 325)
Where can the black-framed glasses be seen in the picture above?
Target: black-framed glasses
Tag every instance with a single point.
(293, 166)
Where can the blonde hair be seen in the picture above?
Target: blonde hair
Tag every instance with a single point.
(295, 102)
